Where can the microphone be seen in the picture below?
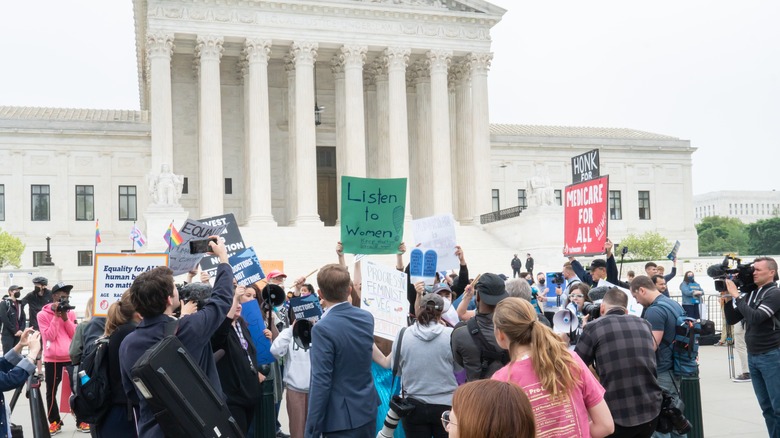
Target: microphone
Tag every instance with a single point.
(597, 293)
(716, 271)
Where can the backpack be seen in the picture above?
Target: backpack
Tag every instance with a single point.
(91, 401)
(487, 353)
(685, 346)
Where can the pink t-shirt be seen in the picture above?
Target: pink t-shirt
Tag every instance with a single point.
(564, 417)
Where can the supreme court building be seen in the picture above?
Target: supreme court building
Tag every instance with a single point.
(262, 105)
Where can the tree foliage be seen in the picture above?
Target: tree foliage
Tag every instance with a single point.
(719, 235)
(648, 246)
(764, 237)
(11, 249)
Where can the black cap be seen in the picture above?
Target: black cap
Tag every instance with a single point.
(61, 287)
(491, 289)
(41, 280)
(598, 263)
(14, 287)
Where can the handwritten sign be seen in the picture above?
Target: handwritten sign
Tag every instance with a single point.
(246, 267)
(180, 260)
(438, 234)
(307, 307)
(384, 295)
(585, 217)
(372, 214)
(422, 266)
(230, 234)
(585, 167)
(114, 274)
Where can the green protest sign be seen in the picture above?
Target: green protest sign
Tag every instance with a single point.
(372, 214)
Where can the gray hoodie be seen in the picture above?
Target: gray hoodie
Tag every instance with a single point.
(426, 364)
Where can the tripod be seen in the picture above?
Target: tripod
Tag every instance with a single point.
(730, 350)
(40, 422)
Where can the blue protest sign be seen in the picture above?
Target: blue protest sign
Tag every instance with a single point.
(307, 307)
(416, 263)
(673, 254)
(246, 267)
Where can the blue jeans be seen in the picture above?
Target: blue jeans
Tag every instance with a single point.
(765, 376)
(665, 382)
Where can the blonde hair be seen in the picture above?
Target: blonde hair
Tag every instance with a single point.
(88, 310)
(553, 364)
(119, 313)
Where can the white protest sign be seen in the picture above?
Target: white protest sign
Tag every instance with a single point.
(114, 273)
(384, 295)
(181, 261)
(438, 233)
(634, 308)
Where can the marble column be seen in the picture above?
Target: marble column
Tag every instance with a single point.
(424, 168)
(352, 59)
(211, 184)
(257, 147)
(464, 151)
(383, 152)
(479, 64)
(341, 125)
(395, 60)
(438, 62)
(291, 166)
(411, 122)
(372, 167)
(304, 54)
(454, 150)
(159, 48)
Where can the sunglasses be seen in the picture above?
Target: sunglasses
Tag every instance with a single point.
(577, 296)
(445, 420)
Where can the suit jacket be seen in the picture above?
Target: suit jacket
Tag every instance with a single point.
(342, 395)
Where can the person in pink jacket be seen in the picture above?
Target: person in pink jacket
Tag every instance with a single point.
(57, 322)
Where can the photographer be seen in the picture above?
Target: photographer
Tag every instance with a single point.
(58, 325)
(14, 371)
(759, 309)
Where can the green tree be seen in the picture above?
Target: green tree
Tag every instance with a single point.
(11, 249)
(764, 237)
(648, 246)
(719, 235)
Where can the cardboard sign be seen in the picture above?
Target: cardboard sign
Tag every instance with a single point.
(384, 295)
(114, 273)
(180, 260)
(232, 238)
(585, 167)
(438, 234)
(372, 214)
(585, 217)
(634, 308)
(246, 267)
(422, 266)
(673, 254)
(307, 307)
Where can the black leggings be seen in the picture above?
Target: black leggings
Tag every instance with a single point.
(53, 372)
(425, 421)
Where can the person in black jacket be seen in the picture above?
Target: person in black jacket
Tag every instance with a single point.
(120, 322)
(12, 318)
(36, 299)
(236, 356)
(458, 286)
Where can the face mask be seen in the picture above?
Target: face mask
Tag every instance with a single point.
(37, 289)
(447, 305)
(17, 294)
(541, 281)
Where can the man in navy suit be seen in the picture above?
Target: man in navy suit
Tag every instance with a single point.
(342, 398)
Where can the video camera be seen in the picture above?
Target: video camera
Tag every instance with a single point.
(557, 278)
(733, 269)
(593, 310)
(63, 305)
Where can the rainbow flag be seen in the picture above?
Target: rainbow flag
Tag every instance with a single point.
(172, 237)
(97, 232)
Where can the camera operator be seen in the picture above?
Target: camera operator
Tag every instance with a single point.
(759, 309)
(58, 325)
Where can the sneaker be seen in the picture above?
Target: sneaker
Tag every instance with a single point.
(280, 434)
(55, 427)
(83, 427)
(744, 377)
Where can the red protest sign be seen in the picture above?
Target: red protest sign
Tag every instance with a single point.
(585, 217)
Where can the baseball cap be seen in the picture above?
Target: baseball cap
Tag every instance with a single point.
(432, 298)
(276, 273)
(441, 287)
(40, 280)
(61, 287)
(598, 263)
(14, 287)
(491, 289)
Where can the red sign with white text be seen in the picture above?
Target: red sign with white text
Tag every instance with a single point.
(585, 217)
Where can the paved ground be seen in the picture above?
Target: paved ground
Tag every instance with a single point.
(729, 409)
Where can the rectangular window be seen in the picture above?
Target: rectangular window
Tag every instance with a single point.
(127, 203)
(85, 258)
(228, 186)
(615, 205)
(522, 200)
(85, 203)
(2, 202)
(496, 200)
(40, 202)
(558, 197)
(38, 258)
(186, 186)
(644, 205)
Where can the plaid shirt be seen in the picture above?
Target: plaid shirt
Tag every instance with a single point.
(623, 349)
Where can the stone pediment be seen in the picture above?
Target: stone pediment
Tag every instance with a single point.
(477, 6)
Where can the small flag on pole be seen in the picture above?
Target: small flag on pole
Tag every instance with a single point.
(97, 232)
(137, 236)
(172, 237)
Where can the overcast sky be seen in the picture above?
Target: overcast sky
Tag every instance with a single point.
(707, 71)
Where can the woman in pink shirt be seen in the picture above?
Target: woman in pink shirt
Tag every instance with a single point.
(562, 391)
